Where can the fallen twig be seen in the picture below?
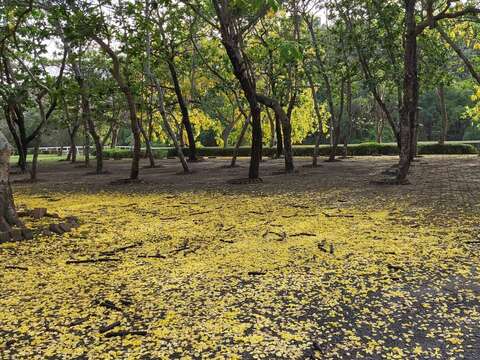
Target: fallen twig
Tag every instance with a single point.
(79, 321)
(200, 213)
(88, 261)
(303, 234)
(15, 267)
(156, 256)
(109, 327)
(256, 273)
(120, 249)
(227, 241)
(338, 215)
(123, 333)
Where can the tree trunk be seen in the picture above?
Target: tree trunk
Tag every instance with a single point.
(184, 110)
(148, 147)
(444, 113)
(132, 109)
(286, 128)
(271, 121)
(86, 145)
(239, 141)
(410, 101)
(8, 213)
(316, 149)
(232, 39)
(113, 144)
(160, 96)
(33, 170)
(279, 136)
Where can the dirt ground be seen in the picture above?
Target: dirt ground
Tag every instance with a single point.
(321, 264)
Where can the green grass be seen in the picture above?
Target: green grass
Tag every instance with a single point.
(43, 158)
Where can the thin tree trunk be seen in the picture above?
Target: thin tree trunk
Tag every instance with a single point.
(239, 141)
(279, 136)
(286, 128)
(161, 102)
(184, 110)
(130, 98)
(148, 147)
(271, 121)
(86, 145)
(443, 111)
(33, 169)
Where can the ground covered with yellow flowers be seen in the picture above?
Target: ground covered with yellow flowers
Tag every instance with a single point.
(321, 264)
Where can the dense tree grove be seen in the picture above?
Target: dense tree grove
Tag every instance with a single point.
(264, 73)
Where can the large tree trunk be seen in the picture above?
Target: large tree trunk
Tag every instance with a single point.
(410, 101)
(8, 213)
(232, 39)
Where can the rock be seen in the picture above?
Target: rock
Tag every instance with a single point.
(16, 234)
(55, 228)
(73, 221)
(27, 234)
(39, 213)
(65, 227)
(47, 232)
(4, 236)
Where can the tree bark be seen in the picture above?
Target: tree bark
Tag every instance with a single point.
(444, 113)
(184, 110)
(239, 141)
(410, 100)
(148, 147)
(8, 213)
(160, 96)
(286, 128)
(232, 39)
(130, 98)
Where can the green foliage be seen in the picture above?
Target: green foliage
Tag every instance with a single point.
(447, 149)
(363, 149)
(118, 154)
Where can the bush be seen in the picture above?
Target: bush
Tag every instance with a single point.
(460, 149)
(118, 154)
(364, 149)
(301, 150)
